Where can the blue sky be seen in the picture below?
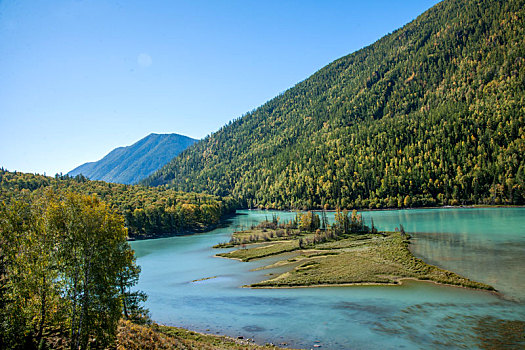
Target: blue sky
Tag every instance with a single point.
(79, 78)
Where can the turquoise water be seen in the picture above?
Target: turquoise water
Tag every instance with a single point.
(484, 244)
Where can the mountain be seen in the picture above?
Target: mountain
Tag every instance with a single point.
(130, 164)
(431, 114)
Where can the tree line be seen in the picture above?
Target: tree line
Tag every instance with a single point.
(302, 226)
(148, 212)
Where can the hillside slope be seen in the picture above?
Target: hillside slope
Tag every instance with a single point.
(432, 114)
(128, 165)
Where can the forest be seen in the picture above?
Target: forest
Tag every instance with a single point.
(66, 272)
(429, 115)
(148, 212)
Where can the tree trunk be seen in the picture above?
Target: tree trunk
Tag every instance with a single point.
(39, 339)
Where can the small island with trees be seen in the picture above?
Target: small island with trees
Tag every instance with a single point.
(348, 252)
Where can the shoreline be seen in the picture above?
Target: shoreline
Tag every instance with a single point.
(171, 336)
(398, 282)
(188, 232)
(222, 223)
(371, 284)
(225, 257)
(466, 206)
(390, 250)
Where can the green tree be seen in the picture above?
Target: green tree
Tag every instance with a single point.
(132, 300)
(309, 221)
(66, 270)
(16, 317)
(342, 222)
(93, 258)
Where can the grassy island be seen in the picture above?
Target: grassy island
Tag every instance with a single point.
(345, 253)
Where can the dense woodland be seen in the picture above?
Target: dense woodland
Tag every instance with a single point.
(147, 211)
(66, 269)
(432, 114)
(66, 272)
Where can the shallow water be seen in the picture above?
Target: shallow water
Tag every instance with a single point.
(484, 244)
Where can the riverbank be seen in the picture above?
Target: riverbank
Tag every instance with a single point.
(186, 232)
(227, 217)
(465, 206)
(411, 315)
(132, 336)
(366, 259)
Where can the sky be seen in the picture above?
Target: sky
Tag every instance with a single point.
(80, 78)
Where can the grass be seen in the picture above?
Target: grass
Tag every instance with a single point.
(132, 336)
(258, 235)
(262, 251)
(354, 259)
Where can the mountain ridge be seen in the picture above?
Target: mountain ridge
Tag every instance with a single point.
(130, 164)
(431, 114)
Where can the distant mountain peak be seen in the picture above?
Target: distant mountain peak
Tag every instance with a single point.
(130, 164)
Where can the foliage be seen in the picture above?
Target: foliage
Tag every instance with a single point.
(65, 259)
(147, 211)
(309, 222)
(267, 231)
(345, 224)
(302, 232)
(431, 114)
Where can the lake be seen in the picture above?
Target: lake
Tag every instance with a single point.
(485, 244)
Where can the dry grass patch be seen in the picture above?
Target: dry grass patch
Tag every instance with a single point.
(137, 337)
(375, 260)
(352, 259)
(262, 251)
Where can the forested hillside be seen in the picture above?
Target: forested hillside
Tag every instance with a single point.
(148, 212)
(128, 165)
(432, 114)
